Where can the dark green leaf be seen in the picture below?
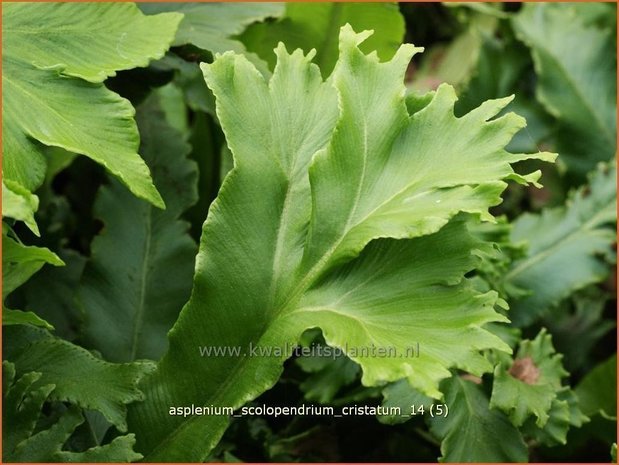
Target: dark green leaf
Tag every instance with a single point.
(128, 313)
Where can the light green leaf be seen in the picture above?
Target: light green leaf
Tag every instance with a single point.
(302, 201)
(127, 315)
(529, 384)
(96, 40)
(613, 453)
(598, 390)
(576, 84)
(20, 262)
(315, 26)
(18, 203)
(52, 90)
(18, 317)
(473, 432)
(83, 379)
(344, 304)
(581, 233)
(214, 26)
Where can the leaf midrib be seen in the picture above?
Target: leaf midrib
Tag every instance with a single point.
(296, 294)
(139, 314)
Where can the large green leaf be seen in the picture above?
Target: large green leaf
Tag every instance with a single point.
(128, 314)
(275, 255)
(473, 432)
(54, 58)
(569, 247)
(576, 84)
(315, 26)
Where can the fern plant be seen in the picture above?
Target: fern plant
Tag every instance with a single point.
(352, 214)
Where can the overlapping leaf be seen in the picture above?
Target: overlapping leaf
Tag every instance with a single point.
(275, 255)
(570, 247)
(51, 294)
(576, 84)
(22, 442)
(564, 412)
(78, 376)
(213, 26)
(55, 56)
(128, 314)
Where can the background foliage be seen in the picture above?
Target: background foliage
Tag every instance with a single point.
(111, 120)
